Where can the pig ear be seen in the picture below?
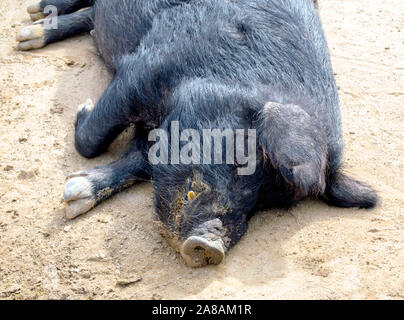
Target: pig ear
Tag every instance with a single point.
(295, 145)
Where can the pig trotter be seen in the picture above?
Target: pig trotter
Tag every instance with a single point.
(84, 109)
(39, 10)
(38, 35)
(96, 127)
(31, 37)
(35, 11)
(86, 189)
(79, 195)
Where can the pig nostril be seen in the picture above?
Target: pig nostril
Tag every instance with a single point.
(198, 251)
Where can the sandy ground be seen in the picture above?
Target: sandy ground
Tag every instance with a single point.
(312, 251)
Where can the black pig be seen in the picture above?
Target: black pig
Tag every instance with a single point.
(261, 65)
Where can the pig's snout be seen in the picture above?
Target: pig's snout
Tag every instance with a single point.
(198, 251)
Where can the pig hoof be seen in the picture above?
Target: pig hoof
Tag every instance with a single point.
(86, 106)
(79, 195)
(31, 37)
(83, 111)
(198, 251)
(34, 8)
(37, 16)
(35, 11)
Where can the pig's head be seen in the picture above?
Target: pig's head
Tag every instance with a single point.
(203, 209)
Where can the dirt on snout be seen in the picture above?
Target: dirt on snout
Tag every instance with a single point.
(115, 251)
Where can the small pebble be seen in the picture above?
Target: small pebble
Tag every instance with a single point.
(124, 282)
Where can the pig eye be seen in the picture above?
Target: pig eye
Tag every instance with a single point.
(191, 195)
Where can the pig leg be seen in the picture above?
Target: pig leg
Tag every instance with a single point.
(37, 35)
(37, 11)
(84, 190)
(96, 127)
(296, 146)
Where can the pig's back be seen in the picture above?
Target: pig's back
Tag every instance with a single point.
(277, 44)
(271, 43)
(119, 25)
